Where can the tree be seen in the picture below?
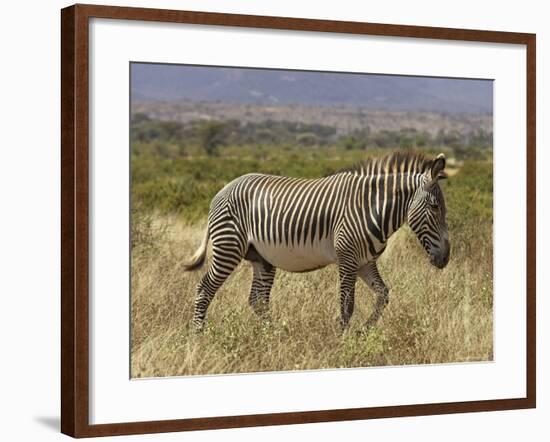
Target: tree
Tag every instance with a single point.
(211, 136)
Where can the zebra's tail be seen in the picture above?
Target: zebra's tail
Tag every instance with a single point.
(197, 260)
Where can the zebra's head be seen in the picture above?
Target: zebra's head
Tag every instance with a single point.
(427, 212)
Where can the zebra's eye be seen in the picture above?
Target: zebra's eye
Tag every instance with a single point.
(433, 205)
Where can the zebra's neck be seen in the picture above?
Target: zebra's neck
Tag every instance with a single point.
(387, 198)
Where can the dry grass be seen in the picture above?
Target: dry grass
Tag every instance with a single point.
(434, 316)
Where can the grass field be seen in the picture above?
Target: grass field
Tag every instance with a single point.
(434, 316)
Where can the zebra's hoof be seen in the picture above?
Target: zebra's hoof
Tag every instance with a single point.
(344, 329)
(197, 329)
(367, 327)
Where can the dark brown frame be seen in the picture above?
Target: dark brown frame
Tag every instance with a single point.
(74, 220)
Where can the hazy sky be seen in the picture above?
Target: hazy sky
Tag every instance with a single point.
(163, 82)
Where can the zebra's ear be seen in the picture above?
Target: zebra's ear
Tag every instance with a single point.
(438, 167)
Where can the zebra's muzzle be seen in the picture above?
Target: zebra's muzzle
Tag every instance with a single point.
(440, 257)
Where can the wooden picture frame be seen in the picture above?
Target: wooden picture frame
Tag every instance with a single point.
(75, 220)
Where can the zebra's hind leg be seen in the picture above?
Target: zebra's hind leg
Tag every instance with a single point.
(263, 276)
(369, 273)
(226, 255)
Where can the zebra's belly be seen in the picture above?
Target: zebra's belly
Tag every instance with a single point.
(297, 258)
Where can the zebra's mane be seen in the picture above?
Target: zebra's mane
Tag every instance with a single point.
(390, 163)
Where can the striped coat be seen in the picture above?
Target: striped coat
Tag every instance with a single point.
(299, 225)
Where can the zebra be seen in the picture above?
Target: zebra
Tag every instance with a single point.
(300, 225)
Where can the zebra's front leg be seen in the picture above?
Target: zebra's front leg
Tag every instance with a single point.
(369, 273)
(262, 281)
(348, 277)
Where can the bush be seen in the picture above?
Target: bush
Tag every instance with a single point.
(212, 136)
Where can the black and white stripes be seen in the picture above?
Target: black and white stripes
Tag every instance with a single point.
(300, 225)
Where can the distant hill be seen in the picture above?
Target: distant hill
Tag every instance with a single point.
(156, 82)
(344, 119)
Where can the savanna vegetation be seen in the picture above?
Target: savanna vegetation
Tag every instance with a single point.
(434, 316)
